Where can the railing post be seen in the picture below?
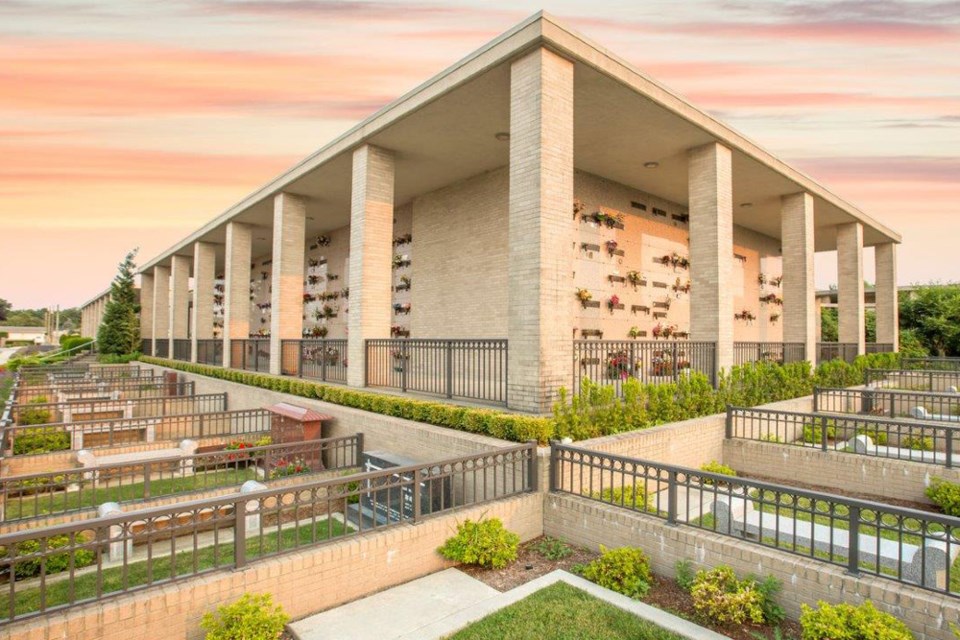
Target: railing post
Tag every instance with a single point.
(200, 435)
(930, 380)
(300, 346)
(239, 534)
(533, 473)
(676, 364)
(554, 466)
(366, 363)
(823, 433)
(146, 480)
(404, 365)
(853, 526)
(729, 423)
(672, 497)
(816, 399)
(358, 451)
(948, 448)
(416, 495)
(449, 365)
(633, 360)
(323, 360)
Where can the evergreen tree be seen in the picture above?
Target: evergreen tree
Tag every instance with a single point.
(119, 332)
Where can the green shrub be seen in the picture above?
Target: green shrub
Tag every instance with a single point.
(946, 495)
(847, 622)
(685, 574)
(876, 436)
(55, 562)
(553, 549)
(72, 342)
(715, 467)
(720, 597)
(40, 440)
(33, 415)
(625, 570)
(813, 433)
(917, 443)
(112, 358)
(252, 617)
(485, 543)
(628, 496)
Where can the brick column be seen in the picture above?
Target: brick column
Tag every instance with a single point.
(146, 307)
(888, 309)
(371, 251)
(796, 239)
(541, 235)
(710, 188)
(236, 297)
(179, 298)
(286, 301)
(850, 284)
(161, 305)
(204, 267)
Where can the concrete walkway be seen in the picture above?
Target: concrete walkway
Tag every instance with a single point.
(441, 604)
(6, 353)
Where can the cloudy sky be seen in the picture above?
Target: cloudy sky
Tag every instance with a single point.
(131, 123)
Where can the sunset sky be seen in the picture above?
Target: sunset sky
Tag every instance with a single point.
(131, 123)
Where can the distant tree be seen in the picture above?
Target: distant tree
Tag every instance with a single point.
(870, 324)
(119, 332)
(4, 309)
(829, 327)
(932, 313)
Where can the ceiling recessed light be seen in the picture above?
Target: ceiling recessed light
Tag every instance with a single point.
(502, 136)
(746, 205)
(651, 165)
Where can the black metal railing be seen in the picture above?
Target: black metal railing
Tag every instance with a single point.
(650, 361)
(891, 403)
(94, 434)
(40, 495)
(146, 347)
(250, 354)
(915, 441)
(879, 347)
(316, 358)
(931, 364)
(181, 349)
(43, 375)
(141, 388)
(846, 351)
(89, 561)
(140, 407)
(461, 368)
(913, 379)
(905, 545)
(210, 351)
(778, 352)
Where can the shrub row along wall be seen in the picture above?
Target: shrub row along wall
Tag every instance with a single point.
(588, 523)
(304, 582)
(835, 470)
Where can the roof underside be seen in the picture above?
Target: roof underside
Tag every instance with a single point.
(444, 130)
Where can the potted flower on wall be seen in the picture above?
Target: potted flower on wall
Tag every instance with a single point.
(618, 365)
(774, 318)
(323, 241)
(611, 246)
(584, 297)
(761, 278)
(320, 332)
(577, 207)
(635, 332)
(634, 278)
(614, 303)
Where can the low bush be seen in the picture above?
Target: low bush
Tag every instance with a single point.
(625, 570)
(813, 433)
(553, 549)
(55, 562)
(917, 443)
(847, 622)
(40, 440)
(627, 496)
(946, 495)
(719, 596)
(685, 574)
(112, 358)
(252, 617)
(715, 467)
(72, 342)
(34, 415)
(485, 543)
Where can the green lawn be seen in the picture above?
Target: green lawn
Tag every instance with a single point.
(164, 569)
(41, 504)
(562, 612)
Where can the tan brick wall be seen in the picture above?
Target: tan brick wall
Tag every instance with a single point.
(236, 296)
(540, 323)
(161, 305)
(146, 306)
(584, 522)
(850, 306)
(286, 296)
(888, 316)
(371, 253)
(311, 580)
(204, 273)
(179, 298)
(799, 310)
(711, 243)
(459, 270)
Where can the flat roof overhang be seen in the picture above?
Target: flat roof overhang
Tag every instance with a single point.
(443, 131)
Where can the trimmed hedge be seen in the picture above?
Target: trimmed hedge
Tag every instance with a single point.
(497, 424)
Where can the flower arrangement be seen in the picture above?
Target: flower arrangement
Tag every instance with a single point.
(584, 296)
(664, 332)
(777, 281)
(618, 365)
(746, 314)
(328, 311)
(681, 288)
(675, 260)
(323, 241)
(345, 292)
(761, 278)
(313, 262)
(399, 354)
(285, 468)
(634, 278)
(577, 207)
(401, 308)
(405, 281)
(400, 261)
(634, 332)
(771, 298)
(313, 279)
(605, 219)
(611, 246)
(402, 240)
(774, 317)
(308, 298)
(397, 331)
(614, 302)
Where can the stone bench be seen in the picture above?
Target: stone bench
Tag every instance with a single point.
(921, 413)
(143, 430)
(924, 565)
(864, 445)
(97, 467)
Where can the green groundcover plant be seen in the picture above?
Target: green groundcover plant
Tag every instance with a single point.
(485, 543)
(252, 617)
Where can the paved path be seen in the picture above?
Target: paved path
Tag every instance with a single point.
(440, 604)
(6, 352)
